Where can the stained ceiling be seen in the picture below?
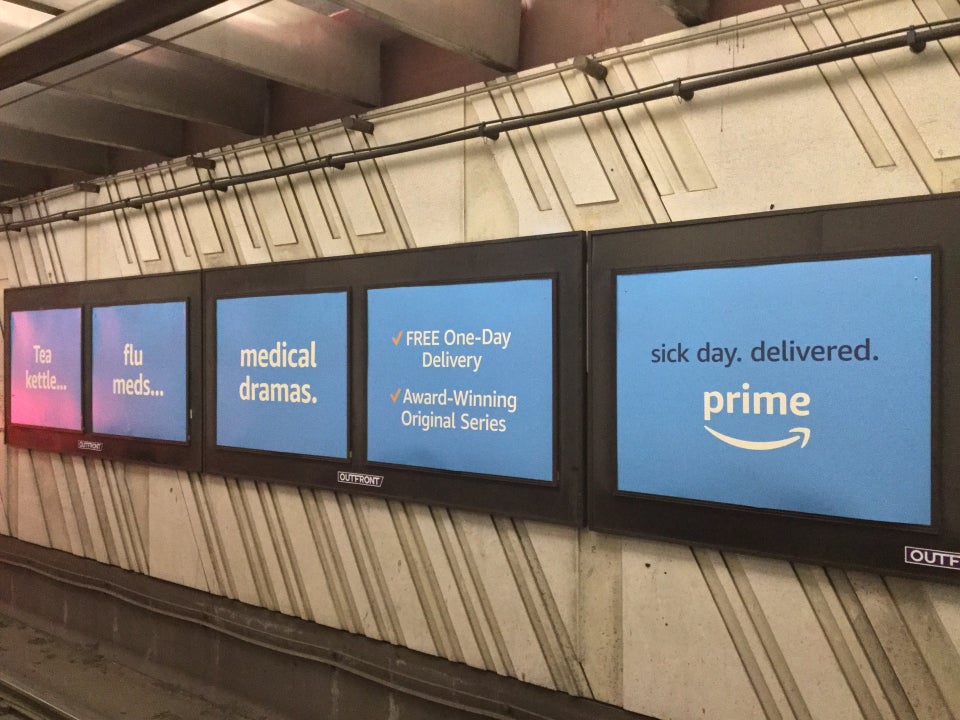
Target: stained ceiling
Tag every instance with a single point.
(89, 88)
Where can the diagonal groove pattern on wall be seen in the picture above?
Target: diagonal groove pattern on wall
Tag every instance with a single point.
(707, 560)
(870, 643)
(816, 589)
(473, 588)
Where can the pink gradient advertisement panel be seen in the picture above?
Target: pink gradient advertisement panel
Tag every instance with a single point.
(45, 357)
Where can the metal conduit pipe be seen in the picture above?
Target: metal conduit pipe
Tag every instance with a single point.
(912, 37)
(503, 82)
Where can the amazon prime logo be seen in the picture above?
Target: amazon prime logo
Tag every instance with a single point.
(745, 402)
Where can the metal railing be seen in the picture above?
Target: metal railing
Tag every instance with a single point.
(915, 38)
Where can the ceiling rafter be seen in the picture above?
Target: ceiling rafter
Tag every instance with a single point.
(89, 28)
(65, 115)
(94, 87)
(314, 52)
(33, 148)
(487, 31)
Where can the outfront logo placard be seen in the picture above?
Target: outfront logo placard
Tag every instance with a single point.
(364, 479)
(800, 386)
(931, 557)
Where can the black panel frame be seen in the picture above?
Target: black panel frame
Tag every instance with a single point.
(170, 287)
(911, 225)
(560, 257)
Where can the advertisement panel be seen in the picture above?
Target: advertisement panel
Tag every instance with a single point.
(140, 371)
(460, 377)
(281, 373)
(780, 383)
(45, 362)
(797, 386)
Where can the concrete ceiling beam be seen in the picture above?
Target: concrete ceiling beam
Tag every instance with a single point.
(31, 148)
(26, 178)
(287, 43)
(87, 29)
(487, 31)
(65, 115)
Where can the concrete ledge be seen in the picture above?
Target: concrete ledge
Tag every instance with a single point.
(297, 668)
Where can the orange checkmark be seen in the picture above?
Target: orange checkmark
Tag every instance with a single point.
(396, 340)
(395, 395)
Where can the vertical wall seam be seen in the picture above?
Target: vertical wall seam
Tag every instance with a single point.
(519, 141)
(617, 127)
(369, 546)
(150, 216)
(120, 220)
(380, 168)
(544, 155)
(130, 515)
(872, 647)
(68, 520)
(738, 636)
(36, 482)
(834, 636)
(557, 624)
(76, 502)
(442, 518)
(90, 510)
(337, 560)
(835, 78)
(14, 471)
(419, 560)
(242, 196)
(115, 507)
(48, 247)
(96, 493)
(425, 599)
(768, 638)
(13, 260)
(937, 651)
(175, 209)
(254, 560)
(205, 546)
(892, 109)
(282, 546)
(347, 616)
(369, 571)
(317, 178)
(348, 230)
(549, 646)
(485, 603)
(212, 535)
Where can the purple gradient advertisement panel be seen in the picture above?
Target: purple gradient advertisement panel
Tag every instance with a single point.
(140, 370)
(45, 356)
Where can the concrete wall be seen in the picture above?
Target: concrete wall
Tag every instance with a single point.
(657, 628)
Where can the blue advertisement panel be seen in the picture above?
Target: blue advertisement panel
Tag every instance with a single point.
(801, 386)
(282, 373)
(140, 370)
(460, 377)
(45, 357)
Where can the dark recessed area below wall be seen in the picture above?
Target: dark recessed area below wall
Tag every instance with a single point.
(300, 670)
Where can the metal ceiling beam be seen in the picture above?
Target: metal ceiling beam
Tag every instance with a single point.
(487, 31)
(90, 28)
(169, 83)
(70, 116)
(30, 148)
(153, 78)
(9, 193)
(26, 178)
(287, 43)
